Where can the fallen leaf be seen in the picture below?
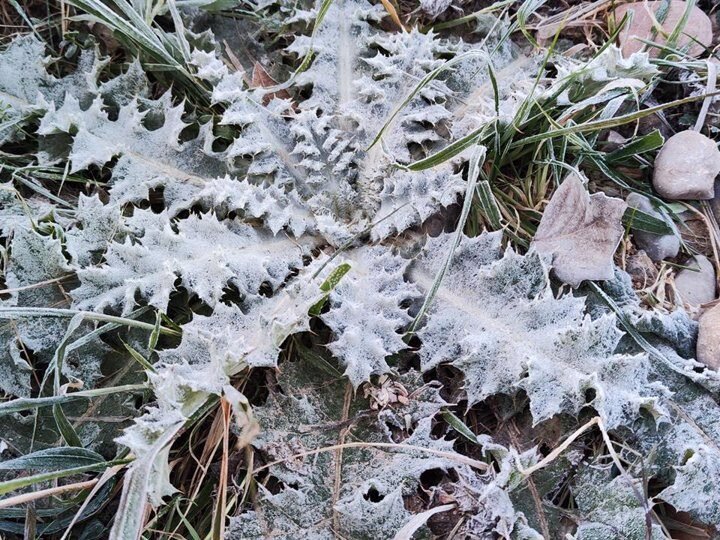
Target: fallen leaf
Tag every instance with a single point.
(262, 79)
(580, 232)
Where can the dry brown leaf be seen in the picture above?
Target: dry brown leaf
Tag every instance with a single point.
(580, 232)
(262, 79)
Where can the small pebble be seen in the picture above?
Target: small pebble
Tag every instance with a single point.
(686, 167)
(696, 284)
(641, 269)
(696, 34)
(658, 247)
(708, 346)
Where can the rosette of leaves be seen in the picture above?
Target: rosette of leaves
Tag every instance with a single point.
(258, 231)
(319, 148)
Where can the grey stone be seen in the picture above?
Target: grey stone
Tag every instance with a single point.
(686, 167)
(696, 284)
(641, 269)
(657, 246)
(708, 345)
(697, 33)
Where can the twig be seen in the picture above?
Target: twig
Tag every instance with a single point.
(337, 484)
(27, 497)
(218, 527)
(480, 465)
(559, 450)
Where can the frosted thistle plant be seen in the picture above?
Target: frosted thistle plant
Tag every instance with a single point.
(273, 241)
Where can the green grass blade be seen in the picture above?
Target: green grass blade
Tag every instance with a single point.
(646, 143)
(637, 219)
(473, 174)
(29, 404)
(68, 433)
(53, 459)
(18, 483)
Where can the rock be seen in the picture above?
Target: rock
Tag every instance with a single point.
(696, 284)
(686, 167)
(715, 203)
(708, 345)
(657, 246)
(641, 269)
(614, 141)
(640, 28)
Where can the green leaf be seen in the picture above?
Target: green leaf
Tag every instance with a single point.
(639, 220)
(646, 143)
(447, 153)
(53, 459)
(66, 430)
(328, 285)
(458, 425)
(139, 358)
(488, 204)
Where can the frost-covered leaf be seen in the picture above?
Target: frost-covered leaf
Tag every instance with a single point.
(692, 447)
(95, 226)
(146, 158)
(676, 328)
(19, 213)
(366, 315)
(305, 418)
(409, 198)
(236, 338)
(271, 204)
(496, 319)
(301, 419)
(613, 508)
(26, 87)
(580, 232)
(690, 491)
(490, 505)
(207, 255)
(34, 268)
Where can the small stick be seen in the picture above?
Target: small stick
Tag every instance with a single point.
(480, 465)
(27, 497)
(559, 450)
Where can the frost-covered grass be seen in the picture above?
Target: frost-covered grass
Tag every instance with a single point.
(246, 309)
